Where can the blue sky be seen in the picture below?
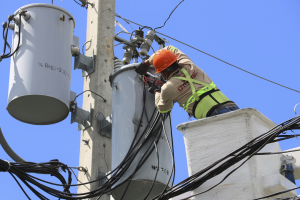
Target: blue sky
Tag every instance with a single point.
(259, 36)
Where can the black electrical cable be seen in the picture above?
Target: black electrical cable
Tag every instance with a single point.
(20, 185)
(91, 92)
(213, 56)
(270, 153)
(171, 150)
(5, 33)
(278, 193)
(157, 155)
(19, 37)
(244, 152)
(78, 3)
(169, 16)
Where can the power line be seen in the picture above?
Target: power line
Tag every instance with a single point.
(213, 56)
(169, 16)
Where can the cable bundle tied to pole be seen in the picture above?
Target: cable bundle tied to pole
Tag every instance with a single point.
(22, 170)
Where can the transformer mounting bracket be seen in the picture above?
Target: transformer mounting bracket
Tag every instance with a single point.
(85, 63)
(105, 125)
(82, 117)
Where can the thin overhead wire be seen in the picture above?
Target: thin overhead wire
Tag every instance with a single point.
(169, 16)
(214, 56)
(78, 3)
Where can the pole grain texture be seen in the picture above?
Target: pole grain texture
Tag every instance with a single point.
(97, 154)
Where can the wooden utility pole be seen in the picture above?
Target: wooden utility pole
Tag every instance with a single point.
(95, 153)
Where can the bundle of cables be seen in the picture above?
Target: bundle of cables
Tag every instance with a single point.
(148, 139)
(6, 26)
(243, 154)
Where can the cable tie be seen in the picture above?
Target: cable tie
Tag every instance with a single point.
(8, 165)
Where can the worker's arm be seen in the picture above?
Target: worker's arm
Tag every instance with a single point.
(163, 100)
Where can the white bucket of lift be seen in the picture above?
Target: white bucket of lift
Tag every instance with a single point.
(126, 113)
(40, 71)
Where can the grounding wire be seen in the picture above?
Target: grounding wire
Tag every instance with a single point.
(215, 57)
(91, 92)
(83, 52)
(169, 16)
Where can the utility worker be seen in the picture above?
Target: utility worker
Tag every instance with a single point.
(186, 84)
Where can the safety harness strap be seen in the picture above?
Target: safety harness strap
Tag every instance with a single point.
(192, 81)
(173, 49)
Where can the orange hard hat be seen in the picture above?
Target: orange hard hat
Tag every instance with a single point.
(163, 59)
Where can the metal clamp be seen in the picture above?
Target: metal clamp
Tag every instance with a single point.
(161, 41)
(86, 63)
(82, 117)
(105, 125)
(101, 175)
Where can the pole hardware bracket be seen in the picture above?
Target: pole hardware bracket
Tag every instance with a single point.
(85, 3)
(82, 117)
(105, 125)
(85, 63)
(103, 178)
(82, 169)
(161, 41)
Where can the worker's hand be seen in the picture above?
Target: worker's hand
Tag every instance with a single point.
(154, 88)
(142, 68)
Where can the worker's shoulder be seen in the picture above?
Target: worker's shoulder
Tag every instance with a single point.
(169, 47)
(171, 84)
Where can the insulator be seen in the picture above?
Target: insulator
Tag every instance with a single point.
(147, 43)
(117, 64)
(139, 33)
(127, 55)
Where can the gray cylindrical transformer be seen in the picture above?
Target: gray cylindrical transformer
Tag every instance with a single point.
(127, 110)
(40, 71)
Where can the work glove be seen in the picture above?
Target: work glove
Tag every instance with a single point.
(154, 88)
(141, 68)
